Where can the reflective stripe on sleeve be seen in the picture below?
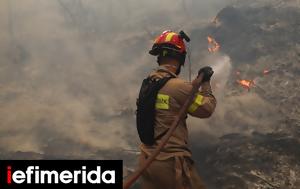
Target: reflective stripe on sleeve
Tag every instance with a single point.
(197, 102)
(162, 102)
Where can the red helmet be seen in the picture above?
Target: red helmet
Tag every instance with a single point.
(172, 43)
(169, 40)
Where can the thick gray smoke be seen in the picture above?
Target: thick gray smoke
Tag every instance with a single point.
(70, 72)
(70, 69)
(235, 113)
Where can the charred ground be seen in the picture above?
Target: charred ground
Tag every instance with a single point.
(258, 38)
(252, 141)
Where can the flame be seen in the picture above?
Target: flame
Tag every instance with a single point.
(246, 83)
(265, 72)
(213, 46)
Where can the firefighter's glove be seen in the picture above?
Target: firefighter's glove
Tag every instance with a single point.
(207, 73)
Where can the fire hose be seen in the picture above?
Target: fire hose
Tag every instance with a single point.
(181, 115)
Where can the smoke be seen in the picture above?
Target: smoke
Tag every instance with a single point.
(236, 112)
(222, 71)
(70, 72)
(70, 69)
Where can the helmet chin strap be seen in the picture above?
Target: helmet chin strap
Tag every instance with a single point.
(178, 70)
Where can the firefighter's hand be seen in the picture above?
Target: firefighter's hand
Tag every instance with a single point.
(207, 72)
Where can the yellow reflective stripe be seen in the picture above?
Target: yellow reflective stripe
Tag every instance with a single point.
(162, 102)
(197, 102)
(169, 37)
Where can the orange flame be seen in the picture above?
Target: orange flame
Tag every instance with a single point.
(246, 83)
(213, 46)
(265, 72)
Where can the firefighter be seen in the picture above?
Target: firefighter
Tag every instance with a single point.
(174, 168)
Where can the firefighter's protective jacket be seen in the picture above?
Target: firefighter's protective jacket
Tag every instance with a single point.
(169, 101)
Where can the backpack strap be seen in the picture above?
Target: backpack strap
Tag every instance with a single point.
(145, 114)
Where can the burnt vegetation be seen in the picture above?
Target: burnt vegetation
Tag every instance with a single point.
(70, 92)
